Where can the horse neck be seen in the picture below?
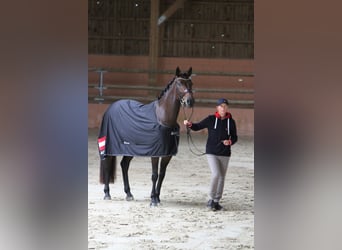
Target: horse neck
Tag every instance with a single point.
(167, 108)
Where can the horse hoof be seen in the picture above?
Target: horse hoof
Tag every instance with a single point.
(154, 204)
(107, 197)
(129, 198)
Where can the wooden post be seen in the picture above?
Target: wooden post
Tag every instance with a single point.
(154, 42)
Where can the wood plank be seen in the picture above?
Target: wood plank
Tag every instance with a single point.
(154, 42)
(140, 87)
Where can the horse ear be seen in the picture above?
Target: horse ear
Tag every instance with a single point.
(190, 71)
(177, 71)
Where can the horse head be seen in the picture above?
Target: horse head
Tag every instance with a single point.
(184, 87)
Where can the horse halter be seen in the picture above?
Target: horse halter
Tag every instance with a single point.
(186, 91)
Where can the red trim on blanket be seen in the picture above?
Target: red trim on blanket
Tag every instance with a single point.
(102, 143)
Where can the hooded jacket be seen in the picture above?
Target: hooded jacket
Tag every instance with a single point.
(218, 131)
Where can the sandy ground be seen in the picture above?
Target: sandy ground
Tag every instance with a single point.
(182, 221)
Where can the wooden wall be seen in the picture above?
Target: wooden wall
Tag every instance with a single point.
(216, 38)
(202, 29)
(244, 115)
(211, 74)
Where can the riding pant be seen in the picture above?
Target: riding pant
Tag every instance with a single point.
(218, 166)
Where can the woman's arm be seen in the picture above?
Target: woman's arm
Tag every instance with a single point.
(233, 133)
(196, 126)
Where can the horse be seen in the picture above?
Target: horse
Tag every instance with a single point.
(130, 128)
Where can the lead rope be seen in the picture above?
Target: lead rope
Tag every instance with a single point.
(189, 138)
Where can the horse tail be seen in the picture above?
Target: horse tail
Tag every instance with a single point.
(108, 168)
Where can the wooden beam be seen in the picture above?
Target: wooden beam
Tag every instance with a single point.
(199, 101)
(156, 88)
(170, 11)
(172, 71)
(154, 42)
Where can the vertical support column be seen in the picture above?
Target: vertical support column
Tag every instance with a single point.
(100, 87)
(154, 43)
(101, 83)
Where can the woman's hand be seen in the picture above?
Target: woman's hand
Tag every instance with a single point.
(187, 123)
(227, 142)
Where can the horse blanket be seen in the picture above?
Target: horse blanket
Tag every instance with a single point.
(131, 128)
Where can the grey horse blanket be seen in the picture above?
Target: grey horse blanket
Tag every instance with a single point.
(131, 128)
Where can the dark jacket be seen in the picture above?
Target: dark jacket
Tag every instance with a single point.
(217, 132)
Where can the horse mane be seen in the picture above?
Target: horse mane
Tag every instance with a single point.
(183, 75)
(166, 88)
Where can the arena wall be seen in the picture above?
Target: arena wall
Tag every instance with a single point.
(243, 116)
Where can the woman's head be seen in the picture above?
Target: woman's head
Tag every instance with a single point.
(222, 106)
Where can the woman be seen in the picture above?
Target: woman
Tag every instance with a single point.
(221, 136)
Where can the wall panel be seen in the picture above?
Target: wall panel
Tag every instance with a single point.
(214, 29)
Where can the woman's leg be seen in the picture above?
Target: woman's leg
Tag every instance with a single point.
(223, 167)
(214, 166)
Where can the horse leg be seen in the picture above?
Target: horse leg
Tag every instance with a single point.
(124, 166)
(163, 164)
(155, 163)
(108, 165)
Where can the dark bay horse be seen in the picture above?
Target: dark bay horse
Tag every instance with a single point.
(130, 128)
